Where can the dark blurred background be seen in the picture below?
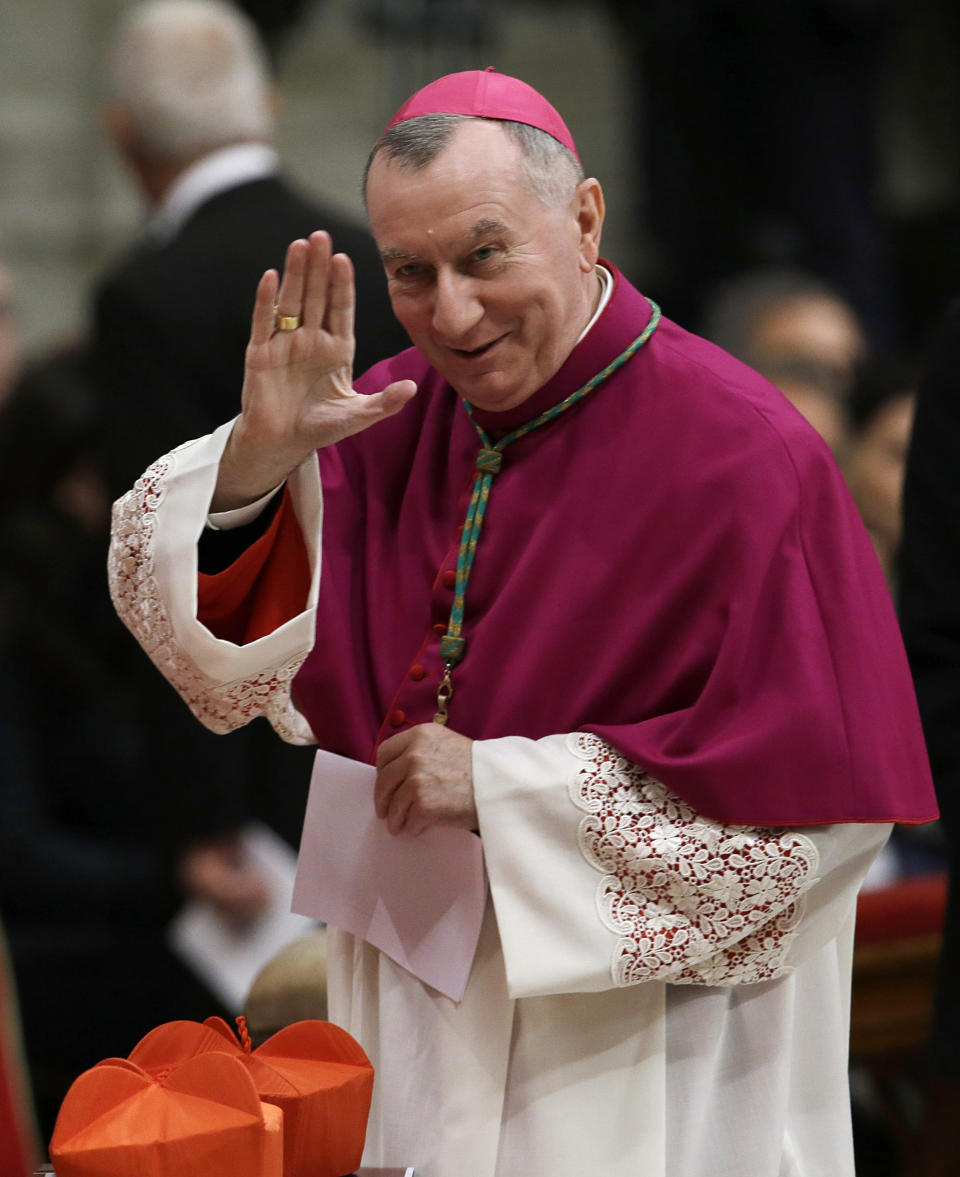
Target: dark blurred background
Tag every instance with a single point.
(821, 133)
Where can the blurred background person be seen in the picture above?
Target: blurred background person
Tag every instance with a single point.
(930, 617)
(102, 834)
(191, 115)
(795, 330)
(880, 411)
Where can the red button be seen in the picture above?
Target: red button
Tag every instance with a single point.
(418, 672)
(440, 628)
(398, 718)
(449, 578)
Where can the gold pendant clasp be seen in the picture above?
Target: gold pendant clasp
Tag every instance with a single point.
(444, 694)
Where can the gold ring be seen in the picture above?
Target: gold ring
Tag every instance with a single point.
(286, 322)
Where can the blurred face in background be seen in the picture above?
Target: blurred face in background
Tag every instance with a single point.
(815, 338)
(809, 346)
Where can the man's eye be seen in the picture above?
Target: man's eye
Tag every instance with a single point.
(409, 270)
(484, 253)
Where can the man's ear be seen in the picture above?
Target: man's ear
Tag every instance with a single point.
(589, 210)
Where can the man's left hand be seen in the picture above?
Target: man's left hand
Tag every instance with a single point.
(425, 778)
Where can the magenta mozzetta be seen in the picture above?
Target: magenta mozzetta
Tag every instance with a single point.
(679, 610)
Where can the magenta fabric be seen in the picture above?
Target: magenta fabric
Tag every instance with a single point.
(489, 95)
(674, 564)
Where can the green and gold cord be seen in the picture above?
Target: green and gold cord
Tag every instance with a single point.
(489, 462)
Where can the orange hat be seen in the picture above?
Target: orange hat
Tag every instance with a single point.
(314, 1071)
(201, 1118)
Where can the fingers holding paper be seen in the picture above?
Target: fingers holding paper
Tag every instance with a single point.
(425, 778)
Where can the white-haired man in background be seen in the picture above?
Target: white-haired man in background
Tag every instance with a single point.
(191, 112)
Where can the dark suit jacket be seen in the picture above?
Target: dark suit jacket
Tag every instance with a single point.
(170, 329)
(930, 616)
(171, 321)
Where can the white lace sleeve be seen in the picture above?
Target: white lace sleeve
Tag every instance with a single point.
(603, 878)
(152, 569)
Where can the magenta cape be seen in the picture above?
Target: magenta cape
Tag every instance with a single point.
(675, 564)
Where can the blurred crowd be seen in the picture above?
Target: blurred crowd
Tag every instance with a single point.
(115, 805)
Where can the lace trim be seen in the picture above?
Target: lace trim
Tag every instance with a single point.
(222, 707)
(676, 887)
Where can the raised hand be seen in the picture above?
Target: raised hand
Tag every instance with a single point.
(298, 385)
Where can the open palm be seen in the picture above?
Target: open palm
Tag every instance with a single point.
(298, 391)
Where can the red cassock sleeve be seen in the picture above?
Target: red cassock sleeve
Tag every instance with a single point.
(262, 589)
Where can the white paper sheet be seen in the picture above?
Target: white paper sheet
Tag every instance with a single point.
(228, 959)
(418, 899)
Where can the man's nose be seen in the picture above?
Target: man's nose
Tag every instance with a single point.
(457, 308)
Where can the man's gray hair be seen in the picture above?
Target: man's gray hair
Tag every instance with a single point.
(550, 170)
(193, 76)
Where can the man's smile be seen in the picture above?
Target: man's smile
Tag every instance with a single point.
(476, 352)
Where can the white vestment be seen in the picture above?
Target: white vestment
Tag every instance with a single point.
(655, 994)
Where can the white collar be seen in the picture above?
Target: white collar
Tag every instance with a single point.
(606, 289)
(214, 173)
